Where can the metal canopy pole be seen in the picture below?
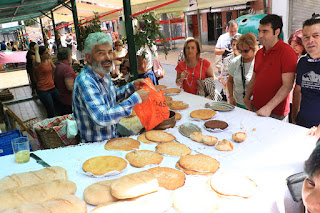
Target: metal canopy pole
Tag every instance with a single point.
(75, 19)
(24, 26)
(42, 29)
(54, 30)
(130, 38)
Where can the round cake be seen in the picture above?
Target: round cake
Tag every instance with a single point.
(202, 114)
(141, 158)
(173, 148)
(159, 136)
(123, 144)
(104, 164)
(199, 162)
(215, 124)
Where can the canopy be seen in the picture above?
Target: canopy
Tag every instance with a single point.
(219, 3)
(10, 29)
(16, 10)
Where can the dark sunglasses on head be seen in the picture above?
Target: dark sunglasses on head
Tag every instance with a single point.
(243, 51)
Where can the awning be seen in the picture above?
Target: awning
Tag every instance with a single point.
(10, 29)
(16, 10)
(219, 3)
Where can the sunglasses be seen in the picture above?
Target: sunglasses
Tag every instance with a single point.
(244, 51)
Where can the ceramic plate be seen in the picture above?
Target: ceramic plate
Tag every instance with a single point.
(219, 106)
(187, 129)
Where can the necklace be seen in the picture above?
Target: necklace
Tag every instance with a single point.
(189, 84)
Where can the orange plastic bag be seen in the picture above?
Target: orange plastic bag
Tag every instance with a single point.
(154, 110)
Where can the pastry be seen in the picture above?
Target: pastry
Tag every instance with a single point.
(173, 148)
(190, 199)
(196, 136)
(159, 136)
(239, 137)
(65, 204)
(123, 144)
(178, 116)
(199, 162)
(141, 158)
(32, 177)
(36, 193)
(215, 124)
(202, 114)
(238, 185)
(160, 87)
(104, 164)
(224, 145)
(134, 185)
(171, 90)
(99, 193)
(142, 138)
(209, 140)
(168, 178)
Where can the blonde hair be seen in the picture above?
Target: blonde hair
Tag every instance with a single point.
(248, 39)
(185, 46)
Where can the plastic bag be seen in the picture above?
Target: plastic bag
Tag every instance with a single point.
(157, 68)
(154, 110)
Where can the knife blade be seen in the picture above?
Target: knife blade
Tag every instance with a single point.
(39, 160)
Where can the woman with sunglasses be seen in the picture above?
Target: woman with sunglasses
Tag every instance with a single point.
(241, 69)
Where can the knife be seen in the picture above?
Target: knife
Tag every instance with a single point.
(39, 160)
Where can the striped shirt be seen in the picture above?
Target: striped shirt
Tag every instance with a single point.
(96, 105)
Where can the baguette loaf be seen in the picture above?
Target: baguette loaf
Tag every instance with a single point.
(42, 192)
(32, 177)
(65, 204)
(134, 185)
(99, 193)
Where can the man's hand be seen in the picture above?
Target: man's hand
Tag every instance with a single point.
(139, 83)
(36, 47)
(264, 111)
(247, 103)
(144, 94)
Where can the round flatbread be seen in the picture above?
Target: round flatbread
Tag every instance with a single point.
(168, 178)
(173, 148)
(142, 138)
(215, 124)
(123, 144)
(141, 158)
(160, 87)
(178, 106)
(104, 164)
(171, 90)
(168, 98)
(191, 199)
(159, 136)
(178, 116)
(199, 162)
(191, 172)
(229, 184)
(202, 114)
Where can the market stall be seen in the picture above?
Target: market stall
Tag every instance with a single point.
(272, 151)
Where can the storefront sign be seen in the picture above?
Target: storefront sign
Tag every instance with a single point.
(222, 9)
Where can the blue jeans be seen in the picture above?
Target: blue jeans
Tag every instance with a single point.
(49, 99)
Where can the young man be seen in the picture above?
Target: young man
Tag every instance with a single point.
(308, 77)
(274, 71)
(95, 99)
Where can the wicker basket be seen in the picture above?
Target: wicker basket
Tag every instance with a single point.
(48, 138)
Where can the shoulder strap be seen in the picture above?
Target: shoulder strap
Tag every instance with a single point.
(243, 77)
(201, 69)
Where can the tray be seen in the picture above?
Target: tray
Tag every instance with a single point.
(220, 106)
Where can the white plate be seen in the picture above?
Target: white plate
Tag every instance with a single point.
(187, 129)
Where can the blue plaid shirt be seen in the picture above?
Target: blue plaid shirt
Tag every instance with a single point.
(95, 108)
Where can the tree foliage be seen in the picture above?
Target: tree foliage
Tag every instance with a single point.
(90, 27)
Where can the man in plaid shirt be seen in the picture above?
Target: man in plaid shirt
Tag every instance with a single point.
(98, 105)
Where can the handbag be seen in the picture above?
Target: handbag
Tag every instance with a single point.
(157, 68)
(295, 183)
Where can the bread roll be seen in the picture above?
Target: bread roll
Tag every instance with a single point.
(196, 136)
(42, 192)
(224, 145)
(156, 202)
(134, 185)
(99, 193)
(209, 140)
(239, 137)
(65, 204)
(33, 177)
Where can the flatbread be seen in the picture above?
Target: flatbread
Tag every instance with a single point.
(177, 105)
(202, 114)
(141, 158)
(192, 172)
(199, 162)
(160, 87)
(159, 136)
(168, 98)
(178, 116)
(229, 184)
(142, 138)
(171, 90)
(168, 178)
(123, 144)
(104, 164)
(173, 148)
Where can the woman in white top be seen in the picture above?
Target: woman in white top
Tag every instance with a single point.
(118, 54)
(241, 69)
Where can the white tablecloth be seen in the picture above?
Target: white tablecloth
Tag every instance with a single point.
(272, 151)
